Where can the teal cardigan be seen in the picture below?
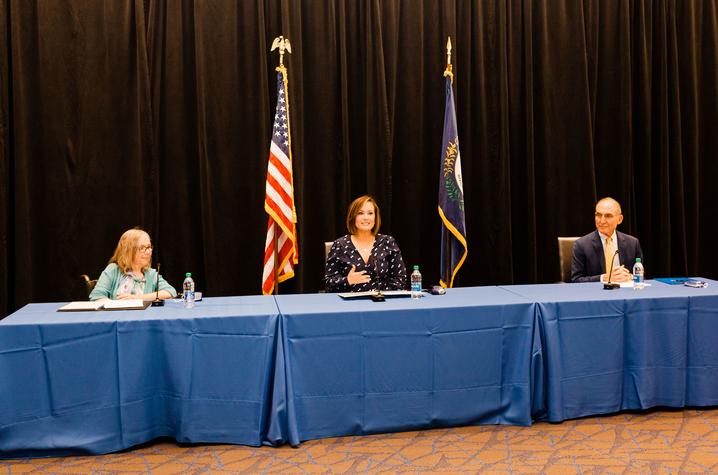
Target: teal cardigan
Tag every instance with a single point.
(111, 278)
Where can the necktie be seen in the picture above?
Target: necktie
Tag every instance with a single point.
(608, 252)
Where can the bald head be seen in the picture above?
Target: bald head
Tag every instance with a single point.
(608, 199)
(608, 216)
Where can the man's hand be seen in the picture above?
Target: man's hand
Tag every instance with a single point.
(620, 274)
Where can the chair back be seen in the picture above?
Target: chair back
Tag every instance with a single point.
(565, 256)
(327, 248)
(89, 283)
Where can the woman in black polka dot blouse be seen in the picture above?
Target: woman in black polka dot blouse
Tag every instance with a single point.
(364, 259)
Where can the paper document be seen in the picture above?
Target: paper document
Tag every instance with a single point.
(131, 304)
(80, 307)
(629, 284)
(128, 304)
(369, 293)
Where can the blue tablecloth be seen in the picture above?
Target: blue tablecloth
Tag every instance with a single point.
(272, 370)
(607, 351)
(99, 382)
(358, 367)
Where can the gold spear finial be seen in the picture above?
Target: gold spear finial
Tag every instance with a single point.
(283, 44)
(449, 68)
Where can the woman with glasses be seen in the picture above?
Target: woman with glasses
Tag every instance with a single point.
(130, 275)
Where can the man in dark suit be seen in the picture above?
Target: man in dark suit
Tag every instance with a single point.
(594, 253)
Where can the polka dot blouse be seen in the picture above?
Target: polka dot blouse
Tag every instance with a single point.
(385, 266)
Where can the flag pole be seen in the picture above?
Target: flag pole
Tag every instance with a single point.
(276, 261)
(449, 68)
(447, 260)
(451, 188)
(447, 245)
(283, 44)
(279, 261)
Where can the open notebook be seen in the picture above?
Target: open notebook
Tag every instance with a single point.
(130, 304)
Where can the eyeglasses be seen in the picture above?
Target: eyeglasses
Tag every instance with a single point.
(145, 248)
(608, 216)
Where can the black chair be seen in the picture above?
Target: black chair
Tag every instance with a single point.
(565, 256)
(89, 283)
(327, 248)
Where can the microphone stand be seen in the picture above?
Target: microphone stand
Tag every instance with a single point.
(377, 296)
(157, 302)
(611, 285)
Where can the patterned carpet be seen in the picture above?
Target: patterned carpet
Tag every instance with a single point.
(651, 442)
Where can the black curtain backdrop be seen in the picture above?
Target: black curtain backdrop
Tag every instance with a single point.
(158, 113)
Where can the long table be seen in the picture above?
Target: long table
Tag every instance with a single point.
(271, 370)
(608, 351)
(98, 382)
(360, 367)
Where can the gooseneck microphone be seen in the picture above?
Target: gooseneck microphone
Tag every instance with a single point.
(611, 285)
(157, 302)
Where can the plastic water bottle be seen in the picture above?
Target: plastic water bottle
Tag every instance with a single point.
(188, 291)
(416, 283)
(638, 275)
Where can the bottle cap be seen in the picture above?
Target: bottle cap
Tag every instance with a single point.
(638, 259)
(416, 267)
(188, 274)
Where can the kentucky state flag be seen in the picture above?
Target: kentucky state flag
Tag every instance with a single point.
(451, 196)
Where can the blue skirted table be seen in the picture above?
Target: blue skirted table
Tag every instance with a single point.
(98, 382)
(272, 370)
(613, 350)
(472, 356)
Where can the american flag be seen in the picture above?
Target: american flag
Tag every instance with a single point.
(279, 197)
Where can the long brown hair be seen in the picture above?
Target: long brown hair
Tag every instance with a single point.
(354, 210)
(127, 249)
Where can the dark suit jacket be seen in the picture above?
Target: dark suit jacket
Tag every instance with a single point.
(588, 259)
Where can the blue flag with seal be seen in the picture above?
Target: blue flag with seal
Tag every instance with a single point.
(451, 194)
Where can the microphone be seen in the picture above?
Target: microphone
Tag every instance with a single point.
(157, 302)
(611, 285)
